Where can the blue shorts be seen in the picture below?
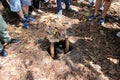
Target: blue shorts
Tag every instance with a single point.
(15, 5)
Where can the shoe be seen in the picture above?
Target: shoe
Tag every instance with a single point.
(119, 19)
(14, 41)
(25, 24)
(102, 21)
(40, 11)
(92, 17)
(70, 9)
(3, 53)
(30, 18)
(33, 13)
(91, 3)
(102, 7)
(59, 15)
(118, 34)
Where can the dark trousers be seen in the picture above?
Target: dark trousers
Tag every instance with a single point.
(37, 3)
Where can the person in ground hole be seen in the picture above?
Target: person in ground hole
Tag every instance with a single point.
(4, 37)
(22, 9)
(107, 4)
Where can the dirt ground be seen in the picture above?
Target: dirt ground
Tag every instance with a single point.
(95, 54)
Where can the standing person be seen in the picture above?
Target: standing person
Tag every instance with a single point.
(107, 4)
(22, 9)
(59, 5)
(4, 37)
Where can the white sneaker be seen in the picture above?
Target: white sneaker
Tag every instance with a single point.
(40, 11)
(102, 6)
(46, 1)
(59, 15)
(33, 13)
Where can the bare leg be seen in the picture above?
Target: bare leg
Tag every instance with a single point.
(107, 5)
(25, 9)
(52, 50)
(20, 13)
(67, 44)
(97, 7)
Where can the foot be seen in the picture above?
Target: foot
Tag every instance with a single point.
(92, 17)
(33, 13)
(40, 11)
(91, 4)
(25, 24)
(118, 34)
(30, 18)
(102, 21)
(70, 9)
(102, 7)
(59, 15)
(14, 41)
(3, 53)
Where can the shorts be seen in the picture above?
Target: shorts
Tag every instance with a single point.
(15, 5)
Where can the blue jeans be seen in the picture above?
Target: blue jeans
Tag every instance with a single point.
(59, 4)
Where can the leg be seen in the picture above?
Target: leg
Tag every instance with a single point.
(67, 45)
(97, 7)
(68, 8)
(25, 9)
(4, 36)
(25, 6)
(36, 4)
(67, 3)
(3, 53)
(15, 6)
(59, 5)
(106, 7)
(20, 13)
(52, 50)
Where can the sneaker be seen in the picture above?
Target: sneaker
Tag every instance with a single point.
(25, 24)
(40, 11)
(118, 34)
(33, 13)
(102, 7)
(3, 53)
(30, 18)
(92, 17)
(102, 21)
(91, 4)
(70, 9)
(59, 15)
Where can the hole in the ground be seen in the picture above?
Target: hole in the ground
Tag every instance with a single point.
(59, 49)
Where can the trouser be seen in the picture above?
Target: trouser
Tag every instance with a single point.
(15, 5)
(37, 3)
(4, 36)
(59, 4)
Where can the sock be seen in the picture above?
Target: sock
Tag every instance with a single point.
(26, 15)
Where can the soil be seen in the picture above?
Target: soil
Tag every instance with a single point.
(95, 53)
